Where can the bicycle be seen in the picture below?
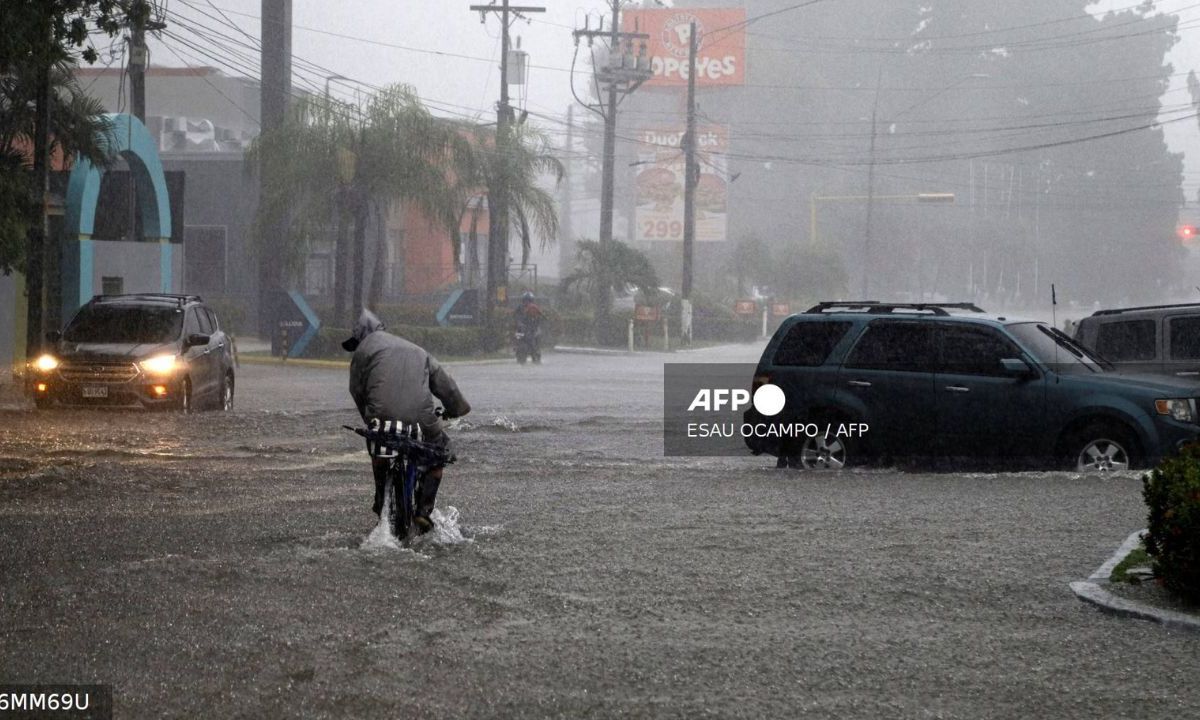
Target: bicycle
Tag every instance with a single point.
(408, 457)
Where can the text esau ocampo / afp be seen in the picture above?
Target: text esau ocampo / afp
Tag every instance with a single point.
(776, 430)
(768, 400)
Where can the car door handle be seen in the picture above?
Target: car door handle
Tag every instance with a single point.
(958, 388)
(1188, 373)
(858, 383)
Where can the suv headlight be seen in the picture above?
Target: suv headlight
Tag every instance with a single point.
(159, 365)
(45, 363)
(1178, 408)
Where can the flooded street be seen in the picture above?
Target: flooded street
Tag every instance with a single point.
(218, 565)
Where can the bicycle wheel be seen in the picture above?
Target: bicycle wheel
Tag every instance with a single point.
(390, 506)
(407, 505)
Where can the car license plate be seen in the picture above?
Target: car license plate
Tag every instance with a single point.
(95, 391)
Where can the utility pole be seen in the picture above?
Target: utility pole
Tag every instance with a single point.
(691, 175)
(866, 271)
(623, 73)
(498, 222)
(35, 268)
(275, 97)
(139, 21)
(566, 247)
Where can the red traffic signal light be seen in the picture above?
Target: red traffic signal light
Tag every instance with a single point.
(1187, 233)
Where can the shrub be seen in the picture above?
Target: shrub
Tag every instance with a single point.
(1172, 492)
(437, 340)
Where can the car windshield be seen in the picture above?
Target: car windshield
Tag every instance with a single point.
(125, 324)
(1056, 349)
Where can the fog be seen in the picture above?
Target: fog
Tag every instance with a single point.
(1025, 112)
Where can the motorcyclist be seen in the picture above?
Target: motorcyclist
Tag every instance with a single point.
(527, 319)
(393, 379)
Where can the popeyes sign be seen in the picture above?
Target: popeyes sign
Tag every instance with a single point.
(720, 55)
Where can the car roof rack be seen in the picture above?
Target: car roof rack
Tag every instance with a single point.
(1118, 311)
(875, 307)
(164, 297)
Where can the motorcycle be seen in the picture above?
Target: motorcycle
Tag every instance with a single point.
(525, 343)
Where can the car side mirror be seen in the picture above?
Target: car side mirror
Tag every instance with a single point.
(53, 336)
(1018, 368)
(196, 339)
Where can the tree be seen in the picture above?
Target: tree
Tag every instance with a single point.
(38, 48)
(340, 168)
(77, 128)
(514, 168)
(1058, 144)
(750, 260)
(610, 267)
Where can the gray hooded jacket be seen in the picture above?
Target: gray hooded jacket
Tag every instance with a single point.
(391, 378)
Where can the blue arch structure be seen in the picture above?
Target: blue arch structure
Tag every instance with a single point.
(130, 139)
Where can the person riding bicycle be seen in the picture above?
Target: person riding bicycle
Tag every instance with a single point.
(394, 379)
(528, 318)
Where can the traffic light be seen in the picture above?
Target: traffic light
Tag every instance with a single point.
(1187, 234)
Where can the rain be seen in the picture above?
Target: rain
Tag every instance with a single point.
(779, 358)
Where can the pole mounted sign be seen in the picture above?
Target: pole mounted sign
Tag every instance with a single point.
(660, 184)
(721, 56)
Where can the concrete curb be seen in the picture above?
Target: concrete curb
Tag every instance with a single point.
(345, 364)
(573, 350)
(1090, 591)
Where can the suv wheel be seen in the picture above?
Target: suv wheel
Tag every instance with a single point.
(226, 400)
(1101, 448)
(818, 453)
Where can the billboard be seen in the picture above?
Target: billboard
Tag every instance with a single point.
(720, 57)
(659, 182)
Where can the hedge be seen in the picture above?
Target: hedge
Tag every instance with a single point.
(1172, 492)
(437, 340)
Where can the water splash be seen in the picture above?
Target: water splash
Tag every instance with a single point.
(446, 530)
(502, 421)
(381, 537)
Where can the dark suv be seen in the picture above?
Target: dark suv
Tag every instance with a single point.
(148, 349)
(1158, 339)
(950, 380)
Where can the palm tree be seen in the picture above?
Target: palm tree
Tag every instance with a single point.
(510, 172)
(608, 267)
(78, 127)
(342, 166)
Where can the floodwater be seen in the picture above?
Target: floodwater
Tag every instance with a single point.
(229, 565)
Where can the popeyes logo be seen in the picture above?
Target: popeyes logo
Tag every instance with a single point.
(721, 44)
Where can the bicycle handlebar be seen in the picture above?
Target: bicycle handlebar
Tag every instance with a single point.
(406, 445)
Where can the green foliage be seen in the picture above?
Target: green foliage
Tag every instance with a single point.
(1172, 492)
(77, 127)
(509, 172)
(609, 267)
(14, 214)
(332, 166)
(67, 23)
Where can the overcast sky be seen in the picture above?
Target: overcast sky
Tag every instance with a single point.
(441, 48)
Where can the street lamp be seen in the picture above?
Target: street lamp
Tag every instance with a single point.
(328, 78)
